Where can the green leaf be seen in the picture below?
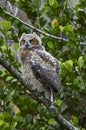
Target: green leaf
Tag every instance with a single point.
(54, 23)
(0, 72)
(53, 3)
(81, 61)
(19, 118)
(1, 122)
(52, 121)
(58, 103)
(75, 120)
(8, 34)
(14, 125)
(16, 46)
(6, 25)
(69, 28)
(76, 81)
(29, 118)
(61, 28)
(81, 85)
(14, 80)
(9, 78)
(68, 64)
(4, 125)
(1, 42)
(5, 116)
(50, 45)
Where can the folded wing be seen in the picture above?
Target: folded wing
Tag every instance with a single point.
(47, 71)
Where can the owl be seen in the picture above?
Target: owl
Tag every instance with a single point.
(40, 68)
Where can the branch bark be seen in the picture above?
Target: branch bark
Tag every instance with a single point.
(18, 76)
(31, 27)
(36, 29)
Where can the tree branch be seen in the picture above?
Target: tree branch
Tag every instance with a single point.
(31, 27)
(36, 29)
(18, 76)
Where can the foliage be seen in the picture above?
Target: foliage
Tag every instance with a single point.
(57, 18)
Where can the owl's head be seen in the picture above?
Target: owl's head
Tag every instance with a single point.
(30, 40)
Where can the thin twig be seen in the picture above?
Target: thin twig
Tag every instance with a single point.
(32, 27)
(36, 29)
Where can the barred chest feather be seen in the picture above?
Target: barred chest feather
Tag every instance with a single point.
(28, 73)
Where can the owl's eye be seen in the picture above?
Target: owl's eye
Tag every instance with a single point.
(22, 42)
(34, 41)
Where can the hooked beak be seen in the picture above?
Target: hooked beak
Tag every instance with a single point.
(27, 44)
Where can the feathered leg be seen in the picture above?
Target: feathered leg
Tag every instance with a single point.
(52, 107)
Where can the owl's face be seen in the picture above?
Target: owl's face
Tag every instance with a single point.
(29, 41)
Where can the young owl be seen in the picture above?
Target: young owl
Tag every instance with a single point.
(40, 68)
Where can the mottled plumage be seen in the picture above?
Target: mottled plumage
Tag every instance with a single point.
(40, 68)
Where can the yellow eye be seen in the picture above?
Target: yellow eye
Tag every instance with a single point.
(34, 41)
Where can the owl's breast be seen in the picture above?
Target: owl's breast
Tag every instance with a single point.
(28, 73)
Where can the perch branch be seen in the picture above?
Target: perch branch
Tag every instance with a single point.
(18, 76)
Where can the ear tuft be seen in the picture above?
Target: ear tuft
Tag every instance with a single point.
(37, 37)
(22, 37)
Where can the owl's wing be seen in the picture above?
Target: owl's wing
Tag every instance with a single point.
(46, 72)
(48, 58)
